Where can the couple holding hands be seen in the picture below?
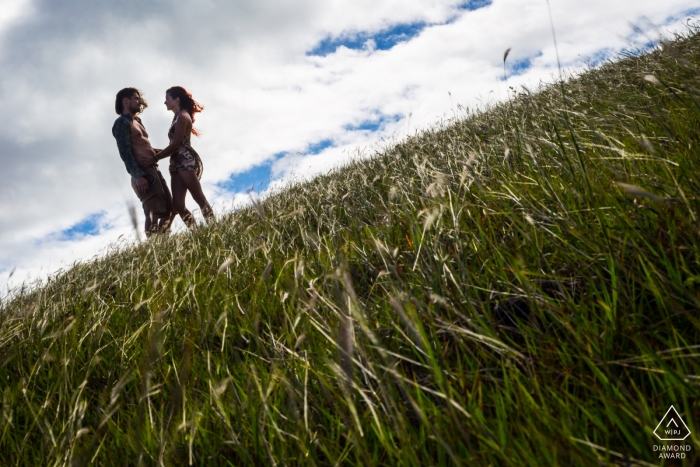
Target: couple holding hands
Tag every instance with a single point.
(141, 160)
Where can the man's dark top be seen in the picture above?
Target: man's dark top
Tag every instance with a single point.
(122, 133)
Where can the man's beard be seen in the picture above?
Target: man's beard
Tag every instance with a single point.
(134, 109)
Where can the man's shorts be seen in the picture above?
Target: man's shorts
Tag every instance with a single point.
(157, 200)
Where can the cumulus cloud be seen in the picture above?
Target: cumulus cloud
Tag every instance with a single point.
(290, 89)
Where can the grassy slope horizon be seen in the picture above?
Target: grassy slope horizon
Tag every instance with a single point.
(517, 287)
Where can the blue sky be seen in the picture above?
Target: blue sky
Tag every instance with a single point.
(290, 90)
(384, 39)
(519, 66)
(257, 179)
(374, 124)
(89, 226)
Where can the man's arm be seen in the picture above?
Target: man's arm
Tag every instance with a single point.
(122, 133)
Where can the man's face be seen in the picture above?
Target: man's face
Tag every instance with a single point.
(133, 104)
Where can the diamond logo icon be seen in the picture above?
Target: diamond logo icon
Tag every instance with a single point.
(672, 427)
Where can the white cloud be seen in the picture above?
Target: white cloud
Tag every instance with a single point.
(12, 12)
(247, 63)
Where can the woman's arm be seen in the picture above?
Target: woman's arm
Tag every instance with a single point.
(182, 125)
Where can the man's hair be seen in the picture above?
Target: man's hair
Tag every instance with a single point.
(128, 93)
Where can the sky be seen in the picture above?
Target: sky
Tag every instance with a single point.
(290, 89)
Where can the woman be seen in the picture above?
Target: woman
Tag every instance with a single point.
(185, 165)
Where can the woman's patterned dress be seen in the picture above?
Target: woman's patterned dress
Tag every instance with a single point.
(185, 158)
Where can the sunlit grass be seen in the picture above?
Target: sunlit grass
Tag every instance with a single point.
(517, 287)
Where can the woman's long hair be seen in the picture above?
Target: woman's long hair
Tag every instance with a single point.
(186, 103)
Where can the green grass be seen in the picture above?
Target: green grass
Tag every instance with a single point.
(480, 294)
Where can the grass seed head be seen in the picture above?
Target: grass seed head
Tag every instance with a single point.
(392, 193)
(647, 144)
(134, 220)
(636, 191)
(652, 79)
(225, 265)
(346, 346)
(430, 218)
(505, 54)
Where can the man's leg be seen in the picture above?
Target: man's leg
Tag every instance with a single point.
(145, 199)
(165, 220)
(151, 223)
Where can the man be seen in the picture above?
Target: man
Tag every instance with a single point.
(139, 159)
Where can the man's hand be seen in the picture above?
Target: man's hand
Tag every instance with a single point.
(142, 185)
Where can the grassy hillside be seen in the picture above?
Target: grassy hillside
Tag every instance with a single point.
(519, 287)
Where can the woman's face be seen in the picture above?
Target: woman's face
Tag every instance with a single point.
(170, 103)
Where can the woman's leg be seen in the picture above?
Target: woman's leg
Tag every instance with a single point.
(179, 193)
(191, 182)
